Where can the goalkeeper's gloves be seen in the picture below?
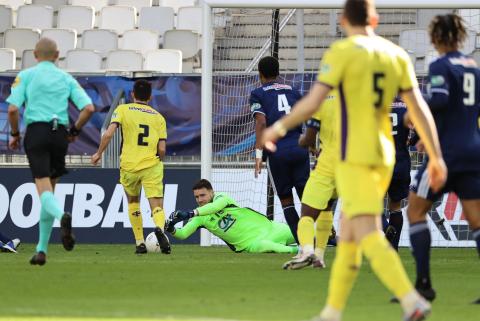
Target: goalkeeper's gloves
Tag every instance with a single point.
(179, 216)
(170, 227)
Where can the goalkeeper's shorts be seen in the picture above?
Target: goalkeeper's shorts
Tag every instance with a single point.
(150, 178)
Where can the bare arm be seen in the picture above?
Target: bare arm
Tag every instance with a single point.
(260, 125)
(162, 148)
(106, 138)
(84, 116)
(308, 139)
(13, 117)
(303, 110)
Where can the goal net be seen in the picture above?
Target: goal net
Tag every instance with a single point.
(244, 35)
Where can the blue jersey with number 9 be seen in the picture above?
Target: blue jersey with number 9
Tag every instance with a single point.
(275, 100)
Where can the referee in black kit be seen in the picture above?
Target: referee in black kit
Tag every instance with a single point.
(45, 90)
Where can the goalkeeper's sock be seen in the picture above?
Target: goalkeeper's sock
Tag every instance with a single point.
(291, 216)
(45, 230)
(50, 205)
(305, 234)
(476, 237)
(420, 240)
(396, 220)
(135, 217)
(344, 272)
(323, 230)
(158, 215)
(386, 263)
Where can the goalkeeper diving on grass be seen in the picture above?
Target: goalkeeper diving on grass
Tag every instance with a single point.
(243, 229)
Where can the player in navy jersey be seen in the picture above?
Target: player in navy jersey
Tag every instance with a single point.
(454, 99)
(289, 166)
(400, 183)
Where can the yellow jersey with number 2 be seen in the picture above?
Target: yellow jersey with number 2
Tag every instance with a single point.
(368, 72)
(142, 128)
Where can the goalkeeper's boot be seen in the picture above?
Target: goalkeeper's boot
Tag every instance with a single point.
(296, 264)
(141, 249)
(419, 312)
(39, 258)
(163, 241)
(424, 288)
(68, 239)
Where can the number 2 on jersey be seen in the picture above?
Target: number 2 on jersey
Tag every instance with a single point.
(394, 119)
(142, 136)
(283, 104)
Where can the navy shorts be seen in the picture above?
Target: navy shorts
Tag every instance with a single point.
(465, 184)
(289, 168)
(400, 184)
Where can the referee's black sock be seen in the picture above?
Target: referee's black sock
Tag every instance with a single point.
(396, 220)
(476, 237)
(420, 240)
(291, 216)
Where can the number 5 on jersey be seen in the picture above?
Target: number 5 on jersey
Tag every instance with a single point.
(283, 104)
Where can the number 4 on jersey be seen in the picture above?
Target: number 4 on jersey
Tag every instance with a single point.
(283, 104)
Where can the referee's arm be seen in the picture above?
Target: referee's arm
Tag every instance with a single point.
(13, 117)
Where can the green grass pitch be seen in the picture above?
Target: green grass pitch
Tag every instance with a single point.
(109, 282)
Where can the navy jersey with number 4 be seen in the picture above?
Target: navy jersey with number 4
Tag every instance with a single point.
(275, 100)
(400, 135)
(454, 81)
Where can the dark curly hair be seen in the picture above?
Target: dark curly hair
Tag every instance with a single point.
(448, 30)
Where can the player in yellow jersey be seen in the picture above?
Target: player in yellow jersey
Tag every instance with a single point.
(368, 72)
(319, 193)
(144, 134)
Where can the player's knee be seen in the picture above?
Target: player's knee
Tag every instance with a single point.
(286, 200)
(309, 211)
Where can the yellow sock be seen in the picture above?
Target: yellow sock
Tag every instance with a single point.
(323, 229)
(386, 264)
(305, 233)
(158, 216)
(135, 217)
(344, 272)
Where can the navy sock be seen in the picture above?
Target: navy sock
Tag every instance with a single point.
(476, 237)
(384, 222)
(396, 220)
(420, 240)
(4, 239)
(291, 216)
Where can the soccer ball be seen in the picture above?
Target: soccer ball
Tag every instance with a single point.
(151, 242)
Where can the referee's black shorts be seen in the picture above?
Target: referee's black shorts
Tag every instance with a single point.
(46, 149)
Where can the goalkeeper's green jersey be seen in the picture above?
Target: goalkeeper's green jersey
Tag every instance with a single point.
(236, 226)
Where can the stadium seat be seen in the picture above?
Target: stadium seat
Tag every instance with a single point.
(118, 18)
(21, 39)
(66, 39)
(28, 59)
(176, 4)
(163, 60)
(5, 21)
(138, 4)
(476, 56)
(96, 4)
(79, 18)
(100, 40)
(471, 18)
(185, 40)
(141, 40)
(14, 4)
(35, 16)
(124, 60)
(83, 60)
(7, 59)
(159, 19)
(55, 4)
(416, 41)
(190, 18)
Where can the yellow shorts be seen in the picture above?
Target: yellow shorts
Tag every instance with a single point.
(150, 178)
(320, 187)
(362, 188)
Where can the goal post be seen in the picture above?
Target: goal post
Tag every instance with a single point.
(245, 78)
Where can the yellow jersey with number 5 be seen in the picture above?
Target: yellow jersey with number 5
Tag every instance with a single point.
(368, 71)
(142, 128)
